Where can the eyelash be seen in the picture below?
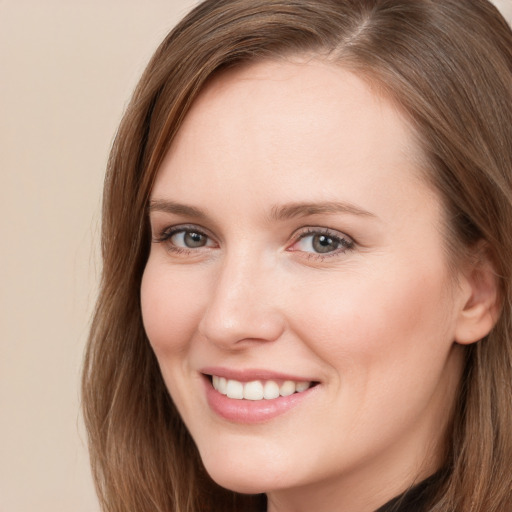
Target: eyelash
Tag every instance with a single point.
(166, 235)
(345, 243)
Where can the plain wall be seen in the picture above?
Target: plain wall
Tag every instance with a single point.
(67, 69)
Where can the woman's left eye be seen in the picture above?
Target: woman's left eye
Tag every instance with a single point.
(322, 242)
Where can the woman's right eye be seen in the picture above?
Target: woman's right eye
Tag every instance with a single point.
(189, 239)
(185, 239)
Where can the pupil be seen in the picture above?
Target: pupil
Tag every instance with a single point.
(194, 239)
(323, 243)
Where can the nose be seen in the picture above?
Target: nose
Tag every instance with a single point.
(243, 304)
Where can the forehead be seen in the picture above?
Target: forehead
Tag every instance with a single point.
(303, 128)
(273, 95)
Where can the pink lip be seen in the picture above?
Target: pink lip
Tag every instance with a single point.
(251, 411)
(247, 375)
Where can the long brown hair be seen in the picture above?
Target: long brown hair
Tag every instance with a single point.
(448, 64)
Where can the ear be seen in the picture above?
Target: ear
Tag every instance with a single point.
(480, 298)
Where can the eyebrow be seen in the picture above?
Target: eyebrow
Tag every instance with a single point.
(277, 213)
(161, 205)
(292, 210)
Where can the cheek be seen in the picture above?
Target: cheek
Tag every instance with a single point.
(387, 343)
(370, 319)
(171, 307)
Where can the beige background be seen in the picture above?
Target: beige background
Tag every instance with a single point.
(66, 71)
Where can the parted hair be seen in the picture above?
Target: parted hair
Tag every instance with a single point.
(448, 65)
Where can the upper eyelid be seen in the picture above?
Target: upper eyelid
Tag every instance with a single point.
(311, 230)
(160, 218)
(176, 228)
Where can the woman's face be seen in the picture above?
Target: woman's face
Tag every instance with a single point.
(297, 249)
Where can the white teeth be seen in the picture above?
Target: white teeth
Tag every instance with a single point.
(223, 385)
(253, 390)
(256, 389)
(287, 388)
(235, 389)
(302, 386)
(270, 390)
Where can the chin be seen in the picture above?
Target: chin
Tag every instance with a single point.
(239, 484)
(240, 481)
(245, 476)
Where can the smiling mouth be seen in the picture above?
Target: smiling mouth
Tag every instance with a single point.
(258, 389)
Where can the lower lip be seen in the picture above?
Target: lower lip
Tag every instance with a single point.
(252, 411)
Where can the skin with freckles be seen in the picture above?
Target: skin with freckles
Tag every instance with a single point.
(293, 233)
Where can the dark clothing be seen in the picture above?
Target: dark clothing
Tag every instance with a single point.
(417, 498)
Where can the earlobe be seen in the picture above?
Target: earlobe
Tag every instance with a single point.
(481, 302)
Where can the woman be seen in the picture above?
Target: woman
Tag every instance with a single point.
(306, 294)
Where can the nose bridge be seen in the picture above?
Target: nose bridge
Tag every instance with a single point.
(242, 304)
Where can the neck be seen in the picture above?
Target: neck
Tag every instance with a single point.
(362, 490)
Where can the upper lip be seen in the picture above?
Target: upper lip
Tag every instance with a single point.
(250, 374)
